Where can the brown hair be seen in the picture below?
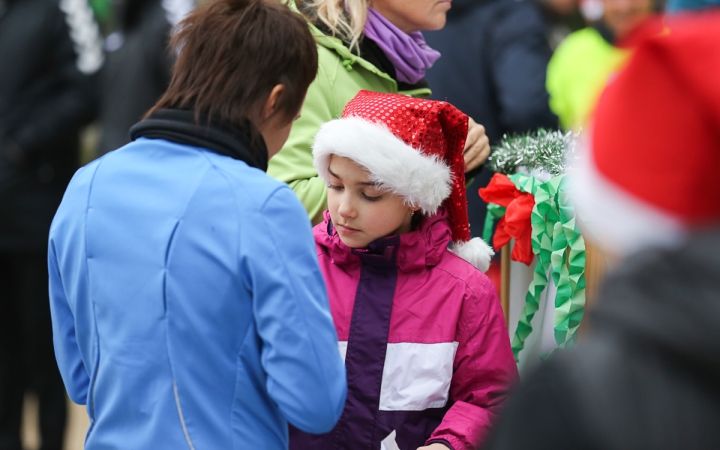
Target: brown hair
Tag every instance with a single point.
(231, 53)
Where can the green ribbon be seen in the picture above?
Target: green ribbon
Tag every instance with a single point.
(560, 250)
(494, 212)
(568, 262)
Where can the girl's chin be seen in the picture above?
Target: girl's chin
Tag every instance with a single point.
(352, 243)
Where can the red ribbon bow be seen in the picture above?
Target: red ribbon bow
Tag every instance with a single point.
(515, 223)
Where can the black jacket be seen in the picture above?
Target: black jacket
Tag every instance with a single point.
(494, 59)
(138, 67)
(647, 375)
(47, 94)
(493, 64)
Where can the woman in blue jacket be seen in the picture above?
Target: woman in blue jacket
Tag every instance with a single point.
(188, 307)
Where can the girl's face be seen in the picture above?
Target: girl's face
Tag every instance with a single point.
(414, 15)
(360, 211)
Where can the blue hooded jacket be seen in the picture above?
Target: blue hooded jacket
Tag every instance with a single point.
(188, 307)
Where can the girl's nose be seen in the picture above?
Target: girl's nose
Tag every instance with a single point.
(346, 208)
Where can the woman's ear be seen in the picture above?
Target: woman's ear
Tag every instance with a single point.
(272, 101)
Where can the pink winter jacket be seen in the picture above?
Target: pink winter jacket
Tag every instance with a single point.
(425, 344)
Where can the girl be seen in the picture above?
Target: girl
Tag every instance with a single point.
(426, 348)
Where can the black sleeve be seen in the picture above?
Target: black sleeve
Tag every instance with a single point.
(75, 49)
(542, 414)
(519, 64)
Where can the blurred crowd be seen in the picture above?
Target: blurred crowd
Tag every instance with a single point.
(75, 76)
(66, 65)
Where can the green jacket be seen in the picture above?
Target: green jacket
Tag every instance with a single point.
(341, 75)
(577, 74)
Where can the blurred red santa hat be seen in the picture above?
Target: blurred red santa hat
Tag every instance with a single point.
(654, 147)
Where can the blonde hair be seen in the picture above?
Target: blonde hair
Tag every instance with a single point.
(345, 18)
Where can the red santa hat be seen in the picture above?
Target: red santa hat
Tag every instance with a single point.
(654, 147)
(413, 148)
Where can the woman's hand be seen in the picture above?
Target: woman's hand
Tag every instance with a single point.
(477, 146)
(435, 446)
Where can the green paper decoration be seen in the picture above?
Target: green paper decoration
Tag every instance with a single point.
(556, 238)
(560, 248)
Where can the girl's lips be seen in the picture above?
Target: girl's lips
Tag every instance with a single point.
(346, 230)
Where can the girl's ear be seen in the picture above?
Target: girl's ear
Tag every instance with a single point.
(271, 103)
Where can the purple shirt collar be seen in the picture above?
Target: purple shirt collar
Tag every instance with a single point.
(409, 53)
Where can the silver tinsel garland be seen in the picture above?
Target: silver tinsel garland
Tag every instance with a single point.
(551, 151)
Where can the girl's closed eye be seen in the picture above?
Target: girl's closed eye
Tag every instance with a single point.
(371, 198)
(334, 187)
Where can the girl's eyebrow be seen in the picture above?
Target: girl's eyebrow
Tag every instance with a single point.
(333, 173)
(361, 183)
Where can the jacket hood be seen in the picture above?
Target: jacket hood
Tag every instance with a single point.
(372, 60)
(344, 53)
(423, 247)
(668, 302)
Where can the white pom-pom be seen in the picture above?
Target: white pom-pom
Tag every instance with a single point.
(476, 252)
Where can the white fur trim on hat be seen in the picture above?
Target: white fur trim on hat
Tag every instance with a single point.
(423, 181)
(476, 252)
(620, 223)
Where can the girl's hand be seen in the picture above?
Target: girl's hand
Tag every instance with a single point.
(477, 146)
(435, 445)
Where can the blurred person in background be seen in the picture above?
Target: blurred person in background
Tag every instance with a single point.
(188, 307)
(497, 76)
(645, 376)
(138, 64)
(379, 48)
(582, 64)
(50, 51)
(563, 17)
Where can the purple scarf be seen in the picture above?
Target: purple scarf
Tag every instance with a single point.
(409, 53)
